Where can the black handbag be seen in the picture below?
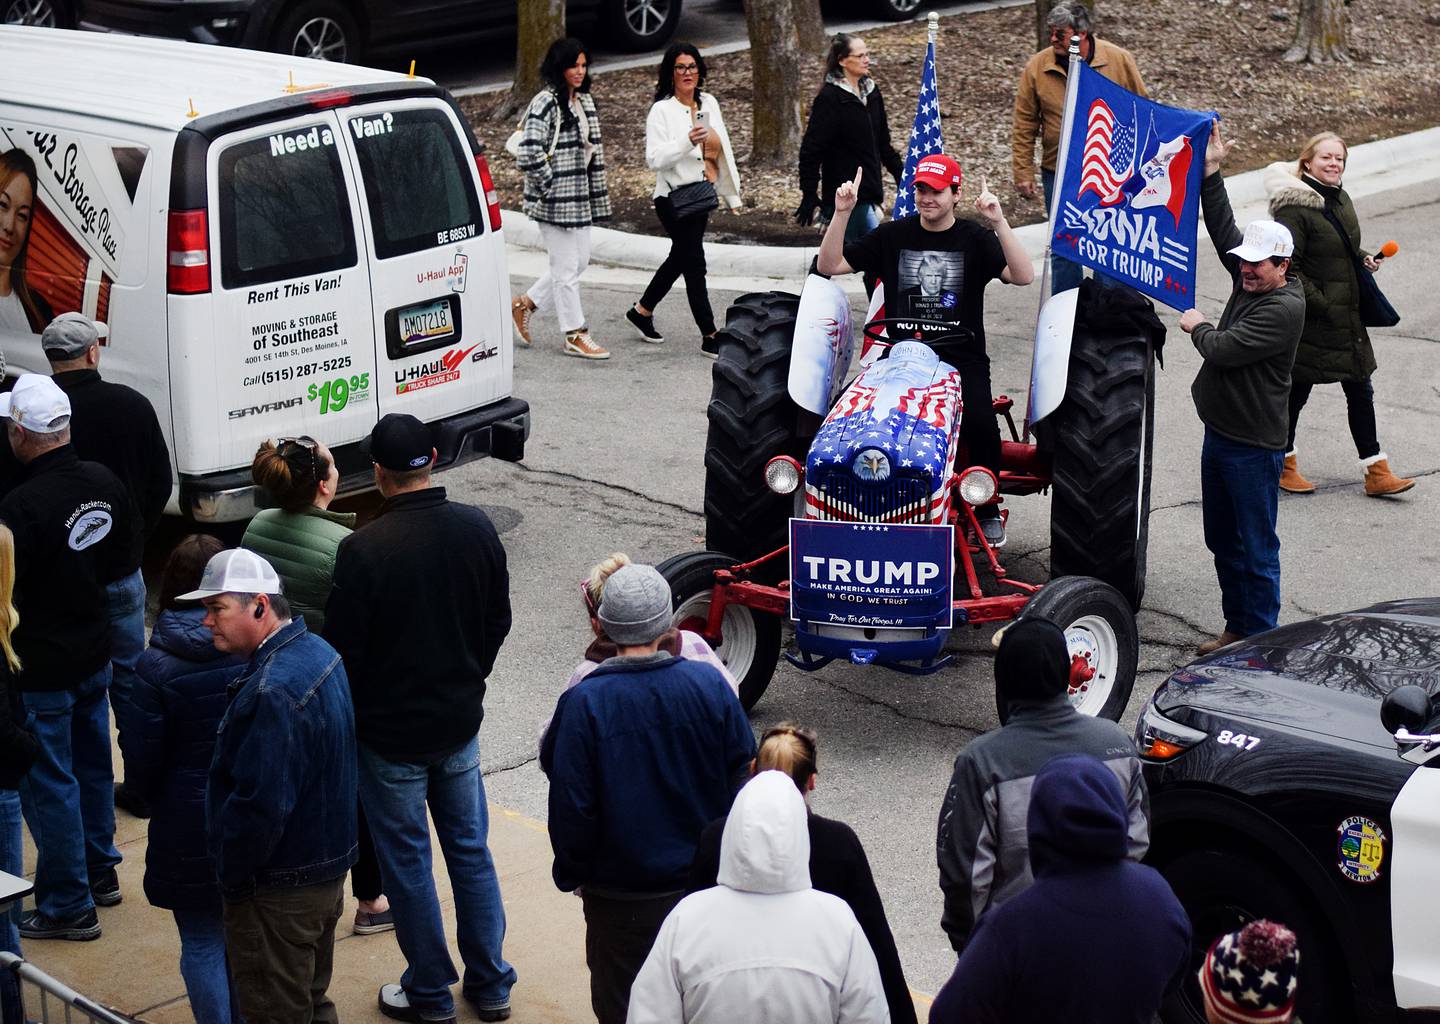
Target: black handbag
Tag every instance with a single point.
(691, 200)
(1375, 308)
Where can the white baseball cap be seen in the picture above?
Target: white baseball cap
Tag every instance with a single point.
(1263, 239)
(37, 404)
(236, 571)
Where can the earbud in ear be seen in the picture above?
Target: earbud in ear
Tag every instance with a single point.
(259, 610)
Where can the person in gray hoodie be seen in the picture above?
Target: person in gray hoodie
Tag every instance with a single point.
(762, 946)
(981, 843)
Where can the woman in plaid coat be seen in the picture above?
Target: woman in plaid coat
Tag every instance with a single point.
(565, 192)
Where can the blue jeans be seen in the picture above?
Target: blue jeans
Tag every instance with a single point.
(12, 862)
(395, 794)
(127, 642)
(1239, 498)
(204, 967)
(68, 796)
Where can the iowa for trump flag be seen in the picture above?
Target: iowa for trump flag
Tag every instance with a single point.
(1128, 196)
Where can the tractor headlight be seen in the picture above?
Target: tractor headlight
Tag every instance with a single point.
(978, 486)
(782, 474)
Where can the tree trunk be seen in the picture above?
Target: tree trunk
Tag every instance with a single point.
(1320, 36)
(774, 74)
(541, 22)
(814, 40)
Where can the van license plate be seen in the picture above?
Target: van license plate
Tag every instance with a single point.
(426, 323)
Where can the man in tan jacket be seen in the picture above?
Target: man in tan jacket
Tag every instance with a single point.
(1040, 106)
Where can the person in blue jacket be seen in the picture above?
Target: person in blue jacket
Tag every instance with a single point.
(176, 705)
(1097, 939)
(642, 754)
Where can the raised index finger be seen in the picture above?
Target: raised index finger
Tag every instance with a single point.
(858, 172)
(984, 186)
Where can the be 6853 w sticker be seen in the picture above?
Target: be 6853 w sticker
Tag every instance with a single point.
(1361, 849)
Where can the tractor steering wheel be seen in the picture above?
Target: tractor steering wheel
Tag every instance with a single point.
(935, 333)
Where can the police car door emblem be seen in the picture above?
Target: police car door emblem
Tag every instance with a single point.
(91, 528)
(1360, 849)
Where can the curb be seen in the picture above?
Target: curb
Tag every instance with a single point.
(1374, 167)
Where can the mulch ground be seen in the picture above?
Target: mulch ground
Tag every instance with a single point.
(1221, 55)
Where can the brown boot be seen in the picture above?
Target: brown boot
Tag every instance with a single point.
(1380, 482)
(521, 310)
(1225, 639)
(1291, 481)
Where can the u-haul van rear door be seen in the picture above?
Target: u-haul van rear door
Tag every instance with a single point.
(441, 293)
(291, 345)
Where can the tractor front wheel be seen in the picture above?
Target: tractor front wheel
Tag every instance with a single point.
(749, 643)
(1102, 640)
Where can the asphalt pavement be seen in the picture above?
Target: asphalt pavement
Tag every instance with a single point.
(616, 463)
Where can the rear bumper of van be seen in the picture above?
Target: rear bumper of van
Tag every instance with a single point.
(498, 430)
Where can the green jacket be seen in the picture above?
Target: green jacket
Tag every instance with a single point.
(301, 546)
(1335, 345)
(1242, 391)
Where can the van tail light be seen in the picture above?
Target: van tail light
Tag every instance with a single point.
(487, 185)
(188, 270)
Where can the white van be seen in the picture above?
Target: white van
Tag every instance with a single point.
(279, 246)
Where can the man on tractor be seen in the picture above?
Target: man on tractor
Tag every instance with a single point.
(934, 268)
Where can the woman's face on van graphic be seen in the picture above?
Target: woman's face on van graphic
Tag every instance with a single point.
(17, 200)
(575, 74)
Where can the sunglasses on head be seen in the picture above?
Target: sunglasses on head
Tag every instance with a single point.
(588, 598)
(309, 444)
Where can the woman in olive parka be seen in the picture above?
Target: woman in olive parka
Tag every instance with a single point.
(1308, 199)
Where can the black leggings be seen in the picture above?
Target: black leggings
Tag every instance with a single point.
(1359, 409)
(686, 258)
(365, 881)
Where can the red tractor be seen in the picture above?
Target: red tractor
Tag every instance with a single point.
(850, 509)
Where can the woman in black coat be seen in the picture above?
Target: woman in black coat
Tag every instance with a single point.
(847, 130)
(838, 864)
(180, 696)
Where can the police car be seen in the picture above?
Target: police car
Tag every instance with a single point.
(1295, 775)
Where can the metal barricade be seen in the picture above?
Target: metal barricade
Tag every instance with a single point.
(53, 1000)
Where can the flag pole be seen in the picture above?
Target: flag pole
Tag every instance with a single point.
(1072, 86)
(932, 26)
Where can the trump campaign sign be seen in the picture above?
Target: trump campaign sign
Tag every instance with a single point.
(1128, 194)
(876, 575)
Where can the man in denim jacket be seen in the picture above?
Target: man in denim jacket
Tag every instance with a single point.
(280, 807)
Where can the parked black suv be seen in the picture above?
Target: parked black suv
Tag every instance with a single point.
(343, 30)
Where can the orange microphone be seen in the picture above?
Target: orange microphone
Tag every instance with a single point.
(1387, 250)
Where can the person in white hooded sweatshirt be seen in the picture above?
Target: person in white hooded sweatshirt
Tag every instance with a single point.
(762, 946)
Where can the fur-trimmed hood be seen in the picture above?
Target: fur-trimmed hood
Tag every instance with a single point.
(1285, 188)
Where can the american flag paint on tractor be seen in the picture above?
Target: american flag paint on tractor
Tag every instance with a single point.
(886, 451)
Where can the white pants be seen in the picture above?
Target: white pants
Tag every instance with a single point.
(569, 252)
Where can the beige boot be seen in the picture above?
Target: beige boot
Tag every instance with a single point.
(1290, 479)
(579, 343)
(1380, 482)
(521, 310)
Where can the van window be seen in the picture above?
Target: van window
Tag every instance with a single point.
(418, 180)
(284, 211)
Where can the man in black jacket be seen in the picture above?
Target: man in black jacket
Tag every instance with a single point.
(115, 426)
(69, 519)
(419, 609)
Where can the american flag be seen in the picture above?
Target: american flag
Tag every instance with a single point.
(924, 135)
(1109, 158)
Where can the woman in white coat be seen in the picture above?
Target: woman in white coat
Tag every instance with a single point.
(762, 946)
(685, 144)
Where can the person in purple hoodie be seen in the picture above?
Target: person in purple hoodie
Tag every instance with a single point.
(1097, 939)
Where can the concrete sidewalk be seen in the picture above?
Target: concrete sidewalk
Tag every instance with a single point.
(134, 966)
(1374, 167)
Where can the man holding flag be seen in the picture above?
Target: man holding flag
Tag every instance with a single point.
(1242, 394)
(934, 268)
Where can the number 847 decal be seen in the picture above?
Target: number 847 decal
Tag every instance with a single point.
(1241, 740)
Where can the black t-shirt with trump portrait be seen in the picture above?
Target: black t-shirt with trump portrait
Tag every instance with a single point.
(933, 276)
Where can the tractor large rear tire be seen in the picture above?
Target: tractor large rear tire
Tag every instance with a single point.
(1102, 437)
(752, 420)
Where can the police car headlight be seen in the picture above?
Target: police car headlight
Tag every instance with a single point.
(1161, 739)
(978, 486)
(783, 474)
